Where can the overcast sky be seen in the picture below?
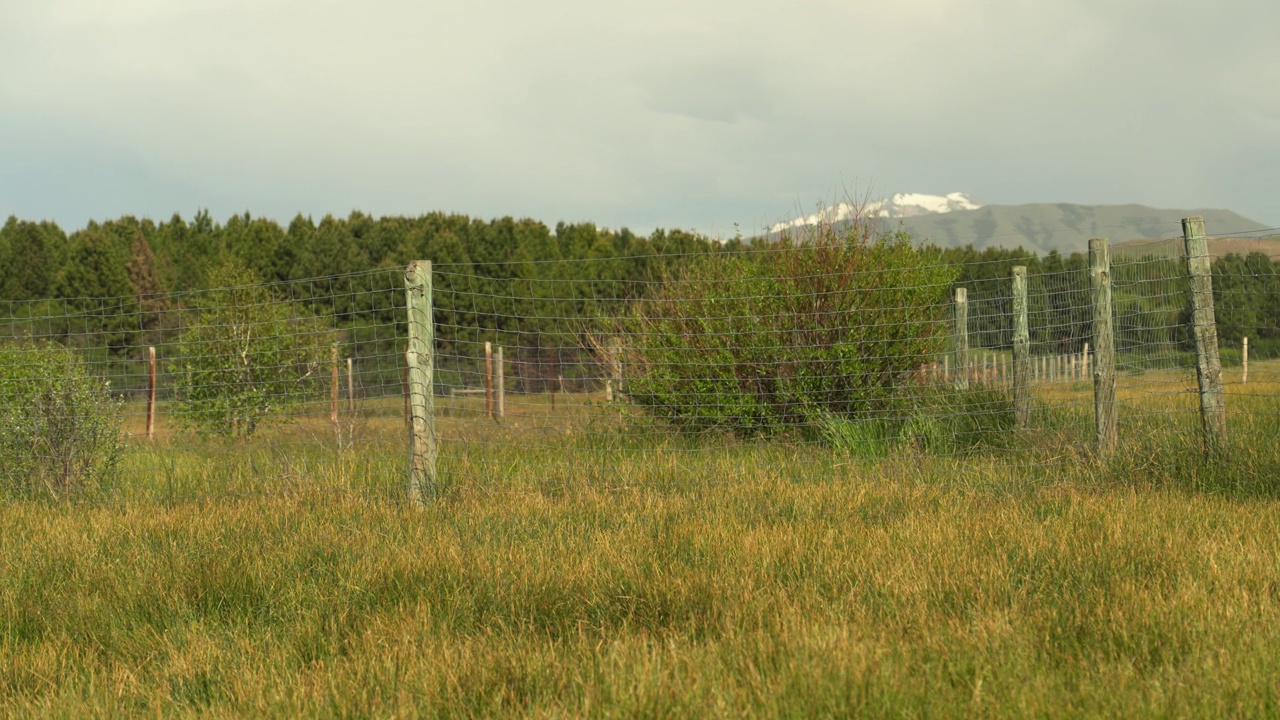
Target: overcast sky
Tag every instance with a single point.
(663, 113)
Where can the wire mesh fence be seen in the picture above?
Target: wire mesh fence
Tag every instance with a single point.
(811, 360)
(242, 389)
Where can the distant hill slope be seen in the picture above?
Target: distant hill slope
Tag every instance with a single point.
(1062, 227)
(1268, 245)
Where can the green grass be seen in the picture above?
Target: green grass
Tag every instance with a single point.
(574, 569)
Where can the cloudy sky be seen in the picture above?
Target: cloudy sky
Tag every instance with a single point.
(663, 113)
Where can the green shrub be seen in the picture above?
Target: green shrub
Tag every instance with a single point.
(935, 420)
(833, 326)
(61, 427)
(246, 358)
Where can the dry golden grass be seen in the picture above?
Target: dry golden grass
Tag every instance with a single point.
(563, 575)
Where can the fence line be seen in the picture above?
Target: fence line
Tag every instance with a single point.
(485, 377)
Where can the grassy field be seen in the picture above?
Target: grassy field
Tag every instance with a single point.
(570, 569)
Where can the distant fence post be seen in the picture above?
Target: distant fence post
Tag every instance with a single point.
(422, 436)
(1213, 412)
(1104, 372)
(962, 339)
(500, 385)
(488, 379)
(333, 384)
(613, 385)
(351, 387)
(1244, 362)
(151, 392)
(1021, 349)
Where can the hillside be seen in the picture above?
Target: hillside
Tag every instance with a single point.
(1062, 227)
(1268, 245)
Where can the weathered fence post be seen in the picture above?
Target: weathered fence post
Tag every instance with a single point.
(1021, 349)
(333, 385)
(1084, 363)
(1244, 362)
(488, 379)
(613, 384)
(1104, 373)
(500, 385)
(962, 339)
(1213, 411)
(422, 436)
(351, 387)
(151, 393)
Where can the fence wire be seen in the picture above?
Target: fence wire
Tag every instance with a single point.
(802, 362)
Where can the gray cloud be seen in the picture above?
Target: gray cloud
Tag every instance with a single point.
(664, 113)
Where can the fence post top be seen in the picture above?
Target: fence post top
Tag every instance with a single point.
(417, 271)
(962, 294)
(1019, 270)
(1193, 226)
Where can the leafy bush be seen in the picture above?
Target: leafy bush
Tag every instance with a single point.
(246, 357)
(61, 427)
(835, 326)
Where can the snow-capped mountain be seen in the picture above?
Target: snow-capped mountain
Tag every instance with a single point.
(901, 205)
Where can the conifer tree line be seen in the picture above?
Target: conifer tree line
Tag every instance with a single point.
(113, 285)
(117, 278)
(1150, 301)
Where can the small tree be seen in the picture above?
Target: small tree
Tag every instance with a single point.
(246, 357)
(61, 427)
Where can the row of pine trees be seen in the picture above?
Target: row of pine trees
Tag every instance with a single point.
(524, 284)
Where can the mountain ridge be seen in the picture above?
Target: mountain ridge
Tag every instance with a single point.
(900, 205)
(1064, 227)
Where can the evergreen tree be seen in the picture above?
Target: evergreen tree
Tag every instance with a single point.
(146, 282)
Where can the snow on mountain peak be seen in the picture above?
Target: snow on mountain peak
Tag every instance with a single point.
(901, 205)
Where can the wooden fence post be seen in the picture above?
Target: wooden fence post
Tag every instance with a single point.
(500, 384)
(422, 437)
(1213, 411)
(1084, 363)
(962, 338)
(333, 385)
(1244, 362)
(151, 393)
(351, 387)
(1104, 373)
(1021, 349)
(488, 379)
